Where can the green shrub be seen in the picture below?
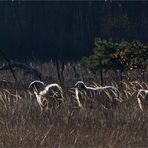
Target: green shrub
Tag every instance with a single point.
(123, 55)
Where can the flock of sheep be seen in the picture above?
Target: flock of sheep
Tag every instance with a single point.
(108, 96)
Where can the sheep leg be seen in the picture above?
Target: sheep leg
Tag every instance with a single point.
(77, 98)
(140, 105)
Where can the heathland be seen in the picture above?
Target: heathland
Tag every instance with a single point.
(23, 125)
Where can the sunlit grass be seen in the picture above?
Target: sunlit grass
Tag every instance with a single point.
(23, 125)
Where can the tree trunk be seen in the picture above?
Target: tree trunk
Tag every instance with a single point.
(101, 72)
(9, 64)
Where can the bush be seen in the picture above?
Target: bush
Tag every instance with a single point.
(123, 55)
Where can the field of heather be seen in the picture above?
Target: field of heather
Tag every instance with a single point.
(23, 125)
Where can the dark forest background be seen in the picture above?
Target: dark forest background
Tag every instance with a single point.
(67, 30)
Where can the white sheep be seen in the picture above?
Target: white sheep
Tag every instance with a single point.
(142, 98)
(47, 95)
(108, 96)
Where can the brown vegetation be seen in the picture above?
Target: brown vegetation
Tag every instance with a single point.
(23, 125)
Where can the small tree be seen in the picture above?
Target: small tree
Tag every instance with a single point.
(123, 55)
(131, 55)
(100, 57)
(4, 56)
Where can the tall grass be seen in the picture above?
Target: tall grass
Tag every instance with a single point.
(23, 125)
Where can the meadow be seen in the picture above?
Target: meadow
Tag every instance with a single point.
(23, 125)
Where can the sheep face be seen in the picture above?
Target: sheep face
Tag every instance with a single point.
(36, 86)
(80, 86)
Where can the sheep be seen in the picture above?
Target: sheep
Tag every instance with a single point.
(108, 96)
(142, 98)
(47, 95)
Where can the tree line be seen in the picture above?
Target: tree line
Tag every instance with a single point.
(66, 30)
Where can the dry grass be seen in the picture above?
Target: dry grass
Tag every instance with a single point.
(22, 124)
